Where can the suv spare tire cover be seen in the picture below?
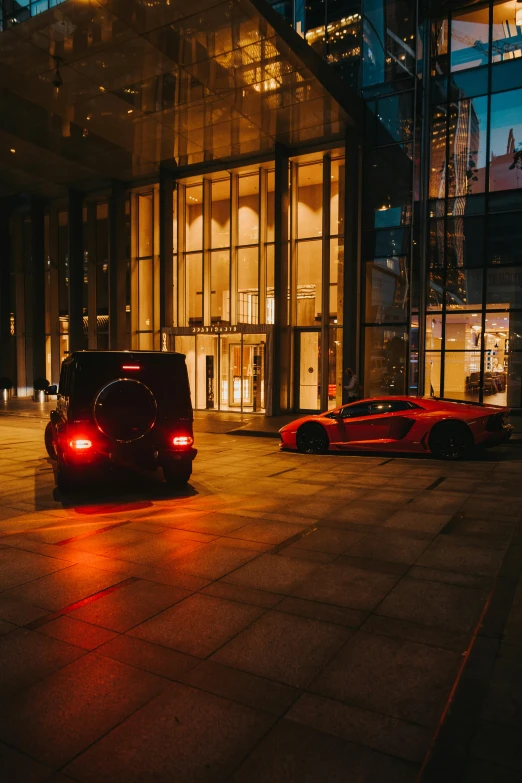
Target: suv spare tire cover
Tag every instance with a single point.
(125, 410)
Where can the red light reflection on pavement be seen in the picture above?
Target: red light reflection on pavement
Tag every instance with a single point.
(113, 508)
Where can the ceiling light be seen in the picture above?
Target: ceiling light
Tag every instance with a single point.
(130, 111)
(12, 150)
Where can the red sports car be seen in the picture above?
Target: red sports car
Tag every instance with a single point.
(448, 430)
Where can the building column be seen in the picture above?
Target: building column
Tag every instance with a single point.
(54, 295)
(36, 280)
(281, 347)
(352, 253)
(6, 352)
(117, 269)
(75, 268)
(166, 247)
(90, 246)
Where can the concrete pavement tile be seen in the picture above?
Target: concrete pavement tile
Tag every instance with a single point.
(244, 595)
(28, 657)
(439, 502)
(267, 532)
(503, 702)
(103, 543)
(212, 561)
(513, 629)
(329, 539)
(241, 543)
(183, 735)
(150, 657)
(498, 744)
(363, 512)
(133, 604)
(480, 771)
(380, 732)
(450, 577)
(83, 635)
(394, 677)
(16, 767)
(448, 555)
(243, 687)
(199, 625)
(64, 587)
(18, 567)
(413, 632)
(451, 607)
(307, 554)
(389, 546)
(489, 506)
(417, 520)
(154, 550)
(292, 753)
(345, 585)
(76, 706)
(272, 573)
(6, 627)
(339, 615)
(274, 646)
(218, 524)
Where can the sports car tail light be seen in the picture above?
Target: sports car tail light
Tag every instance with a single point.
(182, 440)
(131, 367)
(81, 444)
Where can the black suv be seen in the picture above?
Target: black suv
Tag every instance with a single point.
(121, 409)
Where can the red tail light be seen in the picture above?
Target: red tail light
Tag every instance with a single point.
(182, 440)
(81, 444)
(131, 367)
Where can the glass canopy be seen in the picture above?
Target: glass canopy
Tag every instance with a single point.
(145, 82)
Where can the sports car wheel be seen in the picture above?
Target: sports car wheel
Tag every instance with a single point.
(49, 443)
(312, 439)
(451, 441)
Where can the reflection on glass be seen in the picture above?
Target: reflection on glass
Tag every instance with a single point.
(463, 288)
(497, 356)
(467, 147)
(387, 288)
(436, 244)
(385, 360)
(194, 288)
(248, 217)
(506, 34)
(504, 239)
(462, 375)
(220, 214)
(270, 297)
(465, 242)
(439, 47)
(145, 294)
(145, 220)
(270, 206)
(505, 170)
(438, 153)
(388, 191)
(248, 285)
(194, 217)
(469, 39)
(337, 197)
(309, 283)
(220, 286)
(310, 200)
(504, 287)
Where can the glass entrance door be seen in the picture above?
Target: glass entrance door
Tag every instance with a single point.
(309, 370)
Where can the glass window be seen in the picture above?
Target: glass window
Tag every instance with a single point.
(504, 287)
(434, 332)
(387, 191)
(270, 206)
(505, 170)
(469, 39)
(220, 216)
(387, 290)
(175, 220)
(145, 294)
(310, 200)
(220, 286)
(467, 147)
(463, 331)
(270, 298)
(505, 239)
(438, 152)
(463, 288)
(395, 115)
(355, 410)
(436, 244)
(439, 47)
(309, 283)
(335, 368)
(514, 380)
(465, 242)
(435, 289)
(506, 36)
(194, 288)
(102, 260)
(432, 375)
(385, 360)
(392, 242)
(381, 406)
(336, 280)
(145, 223)
(248, 216)
(462, 375)
(337, 197)
(194, 217)
(389, 41)
(248, 285)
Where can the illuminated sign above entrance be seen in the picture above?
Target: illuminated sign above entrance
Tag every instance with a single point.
(213, 329)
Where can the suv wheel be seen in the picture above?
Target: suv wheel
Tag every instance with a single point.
(177, 473)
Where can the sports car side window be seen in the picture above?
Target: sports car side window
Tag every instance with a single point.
(389, 406)
(352, 411)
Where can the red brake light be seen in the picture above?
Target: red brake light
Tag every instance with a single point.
(182, 440)
(81, 444)
(131, 367)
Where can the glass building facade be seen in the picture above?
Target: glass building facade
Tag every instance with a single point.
(277, 242)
